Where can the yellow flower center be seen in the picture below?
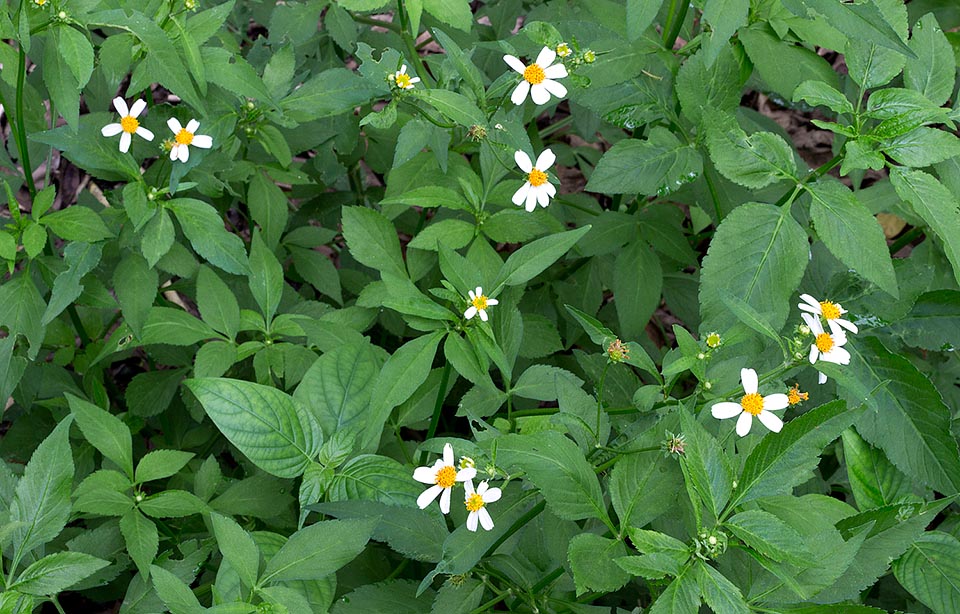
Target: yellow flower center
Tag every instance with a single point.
(480, 302)
(403, 81)
(830, 311)
(794, 395)
(824, 342)
(713, 340)
(534, 75)
(40, 2)
(474, 502)
(184, 137)
(563, 50)
(446, 477)
(537, 177)
(129, 124)
(752, 403)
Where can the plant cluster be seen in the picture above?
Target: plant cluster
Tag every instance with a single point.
(557, 253)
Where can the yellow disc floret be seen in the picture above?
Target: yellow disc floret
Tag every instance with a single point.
(129, 124)
(794, 395)
(184, 137)
(824, 342)
(829, 310)
(534, 75)
(474, 503)
(446, 477)
(537, 177)
(752, 403)
(403, 81)
(480, 302)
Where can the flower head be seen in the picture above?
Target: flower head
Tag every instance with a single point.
(442, 475)
(476, 503)
(538, 78)
(752, 404)
(794, 396)
(826, 346)
(402, 80)
(128, 125)
(714, 340)
(479, 303)
(536, 189)
(617, 351)
(589, 56)
(563, 50)
(831, 312)
(185, 137)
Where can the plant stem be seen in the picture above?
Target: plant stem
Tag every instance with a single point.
(905, 239)
(435, 420)
(675, 18)
(603, 378)
(22, 126)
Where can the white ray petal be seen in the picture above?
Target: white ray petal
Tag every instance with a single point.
(546, 159)
(515, 63)
(125, 139)
(174, 124)
(137, 108)
(555, 87)
(520, 93)
(425, 475)
(202, 141)
(523, 161)
(192, 126)
(485, 520)
(771, 421)
(427, 496)
(472, 521)
(470, 312)
(546, 57)
(445, 500)
(727, 409)
(557, 71)
(743, 424)
(539, 94)
(521, 195)
(111, 130)
(748, 377)
(144, 133)
(773, 402)
(121, 106)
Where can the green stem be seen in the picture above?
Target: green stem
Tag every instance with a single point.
(57, 605)
(572, 205)
(22, 125)
(399, 568)
(556, 127)
(603, 378)
(410, 43)
(675, 18)
(905, 239)
(389, 25)
(437, 406)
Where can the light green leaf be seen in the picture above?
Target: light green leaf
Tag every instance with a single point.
(921, 146)
(80, 258)
(77, 223)
(457, 13)
(724, 17)
(238, 548)
(172, 504)
(370, 477)
(331, 92)
(769, 55)
(646, 167)
(535, 257)
(266, 277)
(268, 207)
(20, 309)
(861, 22)
(217, 304)
(372, 240)
(204, 228)
(338, 386)
(705, 84)
(720, 594)
(455, 107)
(135, 284)
(451, 232)
(319, 550)
(933, 71)
(682, 596)
(56, 572)
(706, 465)
(271, 428)
(158, 237)
(174, 592)
(143, 542)
(753, 161)
(171, 326)
(769, 536)
(930, 570)
(591, 560)
(637, 486)
(819, 94)
(874, 480)
(159, 464)
(106, 432)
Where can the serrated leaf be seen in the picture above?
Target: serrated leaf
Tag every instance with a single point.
(174, 592)
(933, 71)
(159, 464)
(720, 594)
(637, 486)
(141, 538)
(373, 240)
(769, 536)
(338, 386)
(106, 432)
(319, 550)
(753, 161)
(331, 92)
(930, 570)
(238, 548)
(933, 323)
(706, 465)
(646, 167)
(873, 479)
(135, 284)
(535, 257)
(682, 596)
(56, 572)
(266, 277)
(591, 560)
(203, 226)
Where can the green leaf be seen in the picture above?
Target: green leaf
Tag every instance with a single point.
(319, 550)
(654, 566)
(598, 333)
(174, 592)
(57, 572)
(266, 277)
(332, 92)
(41, 503)
(271, 428)
(930, 570)
(463, 357)
(785, 460)
(77, 223)
(935, 205)
(405, 297)
(709, 80)
(106, 432)
(724, 17)
(171, 326)
(640, 14)
(769, 55)
(861, 22)
(238, 548)
(401, 375)
(721, 595)
(682, 596)
(20, 309)
(394, 596)
(65, 61)
(135, 284)
(233, 73)
(638, 484)
(372, 240)
(753, 161)
(851, 233)
(80, 258)
(143, 542)
(762, 271)
(151, 392)
(874, 480)
(921, 147)
(158, 237)
(268, 206)
(203, 226)
(455, 107)
(555, 465)
(104, 492)
(591, 560)
(933, 71)
(659, 163)
(750, 316)
(534, 257)
(370, 477)
(217, 305)
(705, 465)
(159, 464)
(89, 150)
(769, 536)
(452, 233)
(933, 323)
(819, 94)
(428, 196)
(338, 386)
(172, 504)
(457, 13)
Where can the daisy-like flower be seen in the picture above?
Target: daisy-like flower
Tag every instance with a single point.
(443, 475)
(402, 79)
(831, 312)
(184, 137)
(826, 346)
(479, 303)
(794, 396)
(128, 125)
(538, 78)
(752, 404)
(563, 50)
(536, 189)
(476, 504)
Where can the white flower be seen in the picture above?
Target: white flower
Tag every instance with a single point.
(831, 312)
(128, 125)
(184, 137)
(752, 404)
(402, 79)
(476, 504)
(479, 304)
(538, 78)
(537, 189)
(443, 475)
(826, 346)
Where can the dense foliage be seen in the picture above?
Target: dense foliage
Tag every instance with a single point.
(590, 306)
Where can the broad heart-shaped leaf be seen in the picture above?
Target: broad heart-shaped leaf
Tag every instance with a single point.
(933, 71)
(784, 460)
(204, 228)
(534, 257)
(591, 560)
(634, 166)
(105, 432)
(41, 501)
(372, 240)
(57, 572)
(758, 254)
(935, 204)
(851, 233)
(706, 465)
(873, 479)
(400, 377)
(337, 387)
(906, 416)
(237, 547)
(753, 161)
(930, 570)
(272, 429)
(934, 321)
(319, 550)
(558, 468)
